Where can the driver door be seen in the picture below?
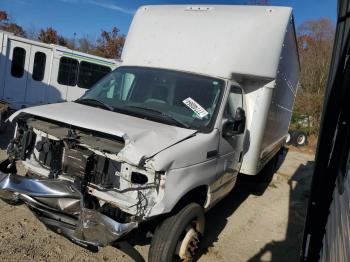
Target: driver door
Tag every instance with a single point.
(230, 148)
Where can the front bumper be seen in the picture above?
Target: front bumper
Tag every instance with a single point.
(59, 205)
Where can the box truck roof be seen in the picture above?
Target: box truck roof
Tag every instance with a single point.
(217, 40)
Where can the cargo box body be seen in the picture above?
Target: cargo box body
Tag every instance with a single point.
(252, 45)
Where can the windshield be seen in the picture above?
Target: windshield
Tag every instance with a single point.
(166, 96)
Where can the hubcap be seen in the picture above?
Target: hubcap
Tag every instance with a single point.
(301, 140)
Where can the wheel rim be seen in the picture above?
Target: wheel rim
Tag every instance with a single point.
(301, 140)
(188, 244)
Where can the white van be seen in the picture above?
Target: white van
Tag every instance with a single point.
(203, 93)
(35, 73)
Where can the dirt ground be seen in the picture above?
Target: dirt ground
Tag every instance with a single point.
(261, 222)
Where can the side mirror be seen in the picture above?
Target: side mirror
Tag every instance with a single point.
(235, 126)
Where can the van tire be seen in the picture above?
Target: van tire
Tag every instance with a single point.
(183, 229)
(300, 138)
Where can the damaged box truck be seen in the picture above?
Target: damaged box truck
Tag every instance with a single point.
(203, 93)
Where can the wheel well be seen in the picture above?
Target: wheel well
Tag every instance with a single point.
(197, 195)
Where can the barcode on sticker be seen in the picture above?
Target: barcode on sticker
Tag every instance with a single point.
(195, 107)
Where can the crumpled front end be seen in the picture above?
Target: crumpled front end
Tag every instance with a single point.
(60, 206)
(78, 182)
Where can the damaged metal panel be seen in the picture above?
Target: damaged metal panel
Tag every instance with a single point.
(60, 131)
(100, 230)
(59, 152)
(52, 200)
(37, 188)
(178, 182)
(190, 152)
(136, 132)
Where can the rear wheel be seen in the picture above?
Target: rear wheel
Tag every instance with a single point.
(178, 236)
(300, 138)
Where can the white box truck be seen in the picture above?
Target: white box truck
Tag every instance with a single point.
(203, 93)
(34, 73)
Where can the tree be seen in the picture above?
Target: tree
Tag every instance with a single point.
(50, 36)
(3, 16)
(8, 26)
(14, 28)
(86, 45)
(110, 44)
(315, 40)
(32, 32)
(63, 42)
(68, 42)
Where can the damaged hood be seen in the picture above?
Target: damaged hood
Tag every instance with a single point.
(143, 138)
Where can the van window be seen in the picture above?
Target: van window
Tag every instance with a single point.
(120, 85)
(39, 66)
(90, 73)
(18, 60)
(68, 71)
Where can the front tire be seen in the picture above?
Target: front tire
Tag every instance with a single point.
(178, 236)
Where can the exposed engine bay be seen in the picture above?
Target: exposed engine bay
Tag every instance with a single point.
(78, 180)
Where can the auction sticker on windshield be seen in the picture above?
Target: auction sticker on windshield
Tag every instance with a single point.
(195, 107)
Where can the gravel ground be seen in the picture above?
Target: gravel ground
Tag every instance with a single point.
(253, 223)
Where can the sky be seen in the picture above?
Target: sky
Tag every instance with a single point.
(89, 17)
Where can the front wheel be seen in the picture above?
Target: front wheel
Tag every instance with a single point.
(178, 236)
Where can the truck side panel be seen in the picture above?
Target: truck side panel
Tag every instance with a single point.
(258, 95)
(283, 97)
(269, 108)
